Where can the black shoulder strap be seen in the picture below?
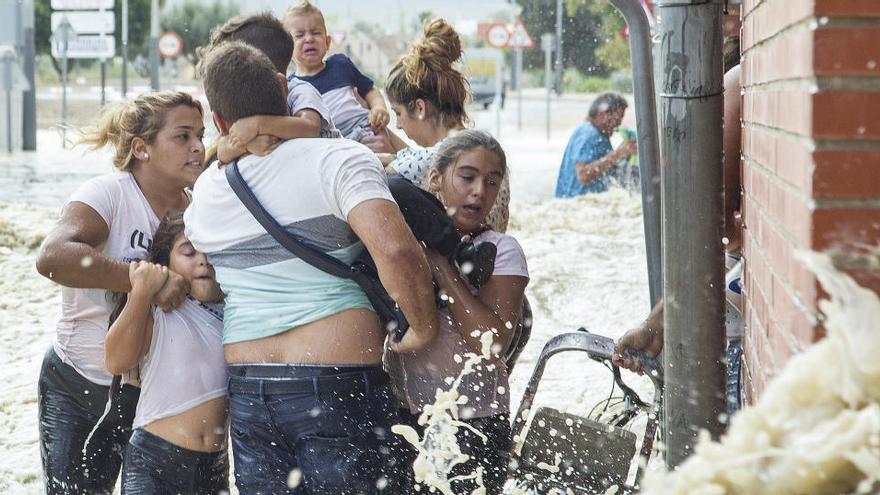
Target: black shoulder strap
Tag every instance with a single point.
(309, 254)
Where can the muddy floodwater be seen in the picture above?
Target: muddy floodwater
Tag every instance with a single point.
(585, 256)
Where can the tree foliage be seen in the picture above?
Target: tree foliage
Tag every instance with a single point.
(193, 20)
(591, 40)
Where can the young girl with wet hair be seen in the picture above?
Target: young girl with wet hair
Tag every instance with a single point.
(467, 173)
(107, 223)
(179, 440)
(428, 95)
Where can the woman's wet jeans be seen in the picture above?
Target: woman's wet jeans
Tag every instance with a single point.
(312, 430)
(69, 408)
(155, 466)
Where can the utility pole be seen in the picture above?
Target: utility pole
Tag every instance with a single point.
(559, 7)
(124, 48)
(29, 104)
(154, 45)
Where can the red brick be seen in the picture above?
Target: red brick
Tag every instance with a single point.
(851, 230)
(771, 17)
(847, 51)
(846, 174)
(848, 8)
(846, 115)
(869, 279)
(780, 58)
(786, 110)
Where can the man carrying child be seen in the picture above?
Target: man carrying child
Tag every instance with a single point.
(307, 391)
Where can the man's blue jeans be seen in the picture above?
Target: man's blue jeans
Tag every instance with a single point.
(331, 423)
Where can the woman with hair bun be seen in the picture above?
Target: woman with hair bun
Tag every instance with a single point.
(428, 95)
(108, 223)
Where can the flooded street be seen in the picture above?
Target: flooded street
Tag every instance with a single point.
(586, 259)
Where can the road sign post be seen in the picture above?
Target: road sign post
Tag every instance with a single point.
(547, 41)
(124, 48)
(154, 45)
(61, 39)
(519, 39)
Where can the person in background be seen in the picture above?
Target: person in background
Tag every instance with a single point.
(108, 223)
(589, 158)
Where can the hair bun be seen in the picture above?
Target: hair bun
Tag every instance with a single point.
(439, 43)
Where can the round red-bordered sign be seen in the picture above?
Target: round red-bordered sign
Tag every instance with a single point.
(498, 36)
(170, 44)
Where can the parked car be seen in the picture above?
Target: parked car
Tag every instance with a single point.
(483, 67)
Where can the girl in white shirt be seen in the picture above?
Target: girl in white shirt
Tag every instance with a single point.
(467, 173)
(179, 441)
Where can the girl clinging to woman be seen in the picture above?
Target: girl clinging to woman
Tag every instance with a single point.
(179, 440)
(467, 172)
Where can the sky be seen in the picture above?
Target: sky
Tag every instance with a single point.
(393, 15)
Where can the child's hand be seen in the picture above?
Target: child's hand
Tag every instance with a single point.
(243, 131)
(147, 278)
(378, 118)
(379, 144)
(263, 144)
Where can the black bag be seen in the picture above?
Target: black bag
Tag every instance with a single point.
(361, 271)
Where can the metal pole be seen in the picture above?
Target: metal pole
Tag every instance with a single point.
(29, 102)
(548, 56)
(8, 58)
(124, 48)
(691, 109)
(64, 94)
(648, 140)
(499, 76)
(559, 6)
(154, 45)
(518, 61)
(103, 81)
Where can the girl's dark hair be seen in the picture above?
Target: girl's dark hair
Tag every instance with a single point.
(159, 252)
(163, 239)
(427, 72)
(452, 148)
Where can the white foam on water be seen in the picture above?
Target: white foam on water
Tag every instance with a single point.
(816, 427)
(438, 449)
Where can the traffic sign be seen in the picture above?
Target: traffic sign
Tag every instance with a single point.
(519, 37)
(170, 44)
(81, 4)
(86, 21)
(498, 35)
(92, 46)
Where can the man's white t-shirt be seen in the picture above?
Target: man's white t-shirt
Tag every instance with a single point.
(85, 313)
(309, 186)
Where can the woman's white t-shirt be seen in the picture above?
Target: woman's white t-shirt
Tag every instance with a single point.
(85, 313)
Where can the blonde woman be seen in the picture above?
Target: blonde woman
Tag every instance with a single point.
(108, 223)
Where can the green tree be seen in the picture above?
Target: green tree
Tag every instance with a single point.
(591, 41)
(193, 20)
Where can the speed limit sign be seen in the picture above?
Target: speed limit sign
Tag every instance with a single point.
(170, 44)
(498, 35)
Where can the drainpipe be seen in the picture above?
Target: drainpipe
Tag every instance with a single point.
(648, 142)
(691, 87)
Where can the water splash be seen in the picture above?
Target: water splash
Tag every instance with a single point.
(816, 428)
(438, 449)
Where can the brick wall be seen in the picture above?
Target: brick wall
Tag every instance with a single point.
(811, 163)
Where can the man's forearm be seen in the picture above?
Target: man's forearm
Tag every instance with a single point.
(409, 284)
(588, 172)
